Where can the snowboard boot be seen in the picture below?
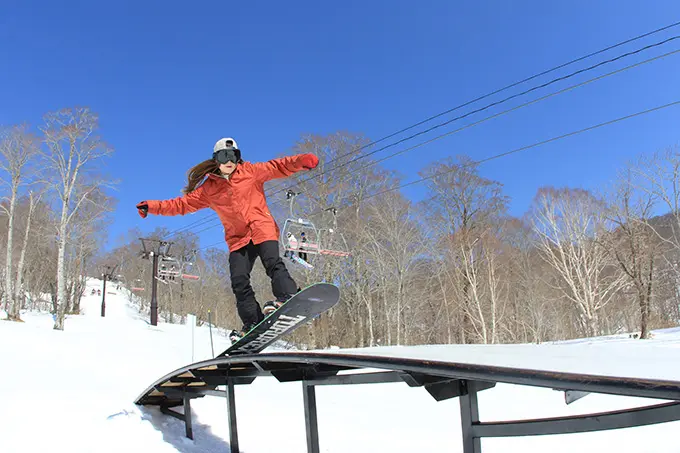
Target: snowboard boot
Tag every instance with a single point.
(270, 307)
(236, 335)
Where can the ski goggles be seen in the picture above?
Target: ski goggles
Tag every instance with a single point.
(225, 155)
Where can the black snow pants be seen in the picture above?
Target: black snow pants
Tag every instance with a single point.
(241, 263)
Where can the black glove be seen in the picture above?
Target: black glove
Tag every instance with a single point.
(143, 209)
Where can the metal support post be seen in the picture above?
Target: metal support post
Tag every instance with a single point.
(108, 274)
(212, 348)
(155, 254)
(154, 288)
(103, 313)
(311, 423)
(187, 417)
(231, 405)
(469, 417)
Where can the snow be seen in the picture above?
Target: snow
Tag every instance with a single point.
(74, 390)
(595, 356)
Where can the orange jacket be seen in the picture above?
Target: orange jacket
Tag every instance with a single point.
(239, 201)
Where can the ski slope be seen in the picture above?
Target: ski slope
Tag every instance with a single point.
(73, 390)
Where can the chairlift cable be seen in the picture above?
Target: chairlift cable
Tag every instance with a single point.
(486, 107)
(496, 115)
(515, 151)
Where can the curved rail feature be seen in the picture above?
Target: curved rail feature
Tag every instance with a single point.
(428, 368)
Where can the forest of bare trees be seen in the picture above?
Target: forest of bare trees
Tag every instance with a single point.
(54, 208)
(455, 267)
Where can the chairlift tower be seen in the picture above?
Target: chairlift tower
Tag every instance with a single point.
(108, 273)
(153, 249)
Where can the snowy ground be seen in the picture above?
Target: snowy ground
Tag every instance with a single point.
(73, 390)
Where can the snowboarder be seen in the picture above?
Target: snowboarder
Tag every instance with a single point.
(234, 189)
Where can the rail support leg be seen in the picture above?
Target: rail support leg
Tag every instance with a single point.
(311, 424)
(187, 417)
(469, 417)
(231, 405)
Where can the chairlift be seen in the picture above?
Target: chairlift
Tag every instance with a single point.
(169, 268)
(300, 237)
(138, 285)
(333, 241)
(189, 272)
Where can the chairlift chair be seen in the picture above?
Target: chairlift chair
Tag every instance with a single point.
(188, 271)
(298, 235)
(301, 237)
(329, 238)
(137, 285)
(169, 268)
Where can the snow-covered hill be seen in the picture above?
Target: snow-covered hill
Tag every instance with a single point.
(73, 390)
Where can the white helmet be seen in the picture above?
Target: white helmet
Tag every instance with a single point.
(227, 146)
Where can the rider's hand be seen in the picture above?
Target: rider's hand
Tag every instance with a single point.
(143, 209)
(309, 161)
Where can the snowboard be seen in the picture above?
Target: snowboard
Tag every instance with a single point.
(304, 306)
(296, 259)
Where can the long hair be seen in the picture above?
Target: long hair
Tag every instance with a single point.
(197, 173)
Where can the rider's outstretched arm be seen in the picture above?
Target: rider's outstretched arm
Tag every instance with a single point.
(285, 166)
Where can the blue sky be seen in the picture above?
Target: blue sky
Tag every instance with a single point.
(170, 78)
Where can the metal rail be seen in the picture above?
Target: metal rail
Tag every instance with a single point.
(442, 380)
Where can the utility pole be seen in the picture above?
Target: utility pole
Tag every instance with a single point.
(104, 297)
(152, 249)
(108, 274)
(154, 289)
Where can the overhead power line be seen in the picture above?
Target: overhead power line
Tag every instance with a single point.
(194, 224)
(505, 88)
(211, 245)
(518, 150)
(504, 112)
(486, 107)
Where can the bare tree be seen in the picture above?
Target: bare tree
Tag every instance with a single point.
(86, 232)
(73, 150)
(534, 311)
(570, 224)
(394, 245)
(34, 200)
(634, 243)
(17, 147)
(39, 266)
(659, 175)
(464, 209)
